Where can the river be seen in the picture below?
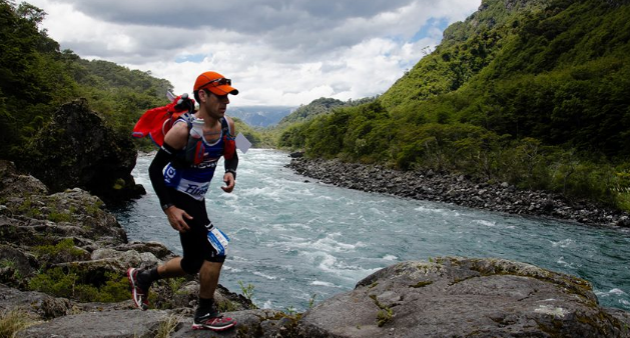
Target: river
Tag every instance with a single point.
(298, 242)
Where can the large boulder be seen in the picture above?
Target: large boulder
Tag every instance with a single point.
(75, 214)
(15, 265)
(14, 183)
(134, 323)
(111, 324)
(77, 149)
(36, 305)
(460, 297)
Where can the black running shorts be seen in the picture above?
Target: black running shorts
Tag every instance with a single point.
(195, 244)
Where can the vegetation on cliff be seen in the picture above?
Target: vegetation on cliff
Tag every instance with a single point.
(36, 78)
(529, 92)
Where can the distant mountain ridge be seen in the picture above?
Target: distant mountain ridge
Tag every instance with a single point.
(260, 116)
(323, 105)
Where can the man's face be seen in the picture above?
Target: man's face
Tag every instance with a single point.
(216, 105)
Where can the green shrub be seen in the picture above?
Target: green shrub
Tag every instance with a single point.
(74, 284)
(65, 246)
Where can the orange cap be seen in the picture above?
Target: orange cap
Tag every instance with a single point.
(216, 83)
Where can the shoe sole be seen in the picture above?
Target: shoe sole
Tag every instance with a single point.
(213, 328)
(134, 293)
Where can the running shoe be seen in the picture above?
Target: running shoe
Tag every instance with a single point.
(139, 294)
(213, 322)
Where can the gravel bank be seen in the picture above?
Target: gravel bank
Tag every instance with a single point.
(456, 189)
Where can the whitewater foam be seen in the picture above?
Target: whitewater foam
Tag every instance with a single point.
(390, 258)
(322, 283)
(563, 243)
(260, 274)
(486, 223)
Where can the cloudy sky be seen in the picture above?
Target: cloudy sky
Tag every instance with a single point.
(277, 52)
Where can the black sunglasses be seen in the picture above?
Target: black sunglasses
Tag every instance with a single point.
(219, 82)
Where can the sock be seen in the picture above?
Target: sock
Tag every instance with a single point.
(205, 307)
(154, 274)
(147, 277)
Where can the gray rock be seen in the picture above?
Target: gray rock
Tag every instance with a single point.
(13, 183)
(459, 297)
(135, 323)
(112, 324)
(37, 305)
(250, 323)
(15, 265)
(125, 259)
(159, 250)
(85, 153)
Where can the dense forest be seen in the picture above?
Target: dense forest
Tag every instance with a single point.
(36, 78)
(535, 93)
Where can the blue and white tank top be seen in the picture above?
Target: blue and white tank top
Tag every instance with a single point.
(194, 179)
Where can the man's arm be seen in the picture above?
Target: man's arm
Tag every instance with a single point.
(230, 164)
(175, 139)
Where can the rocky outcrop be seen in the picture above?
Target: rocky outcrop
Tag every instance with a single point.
(156, 323)
(45, 238)
(70, 232)
(445, 297)
(77, 150)
(456, 189)
(460, 297)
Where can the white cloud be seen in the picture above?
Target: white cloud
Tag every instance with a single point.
(287, 52)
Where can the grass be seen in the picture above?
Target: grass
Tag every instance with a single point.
(384, 315)
(167, 327)
(248, 291)
(12, 321)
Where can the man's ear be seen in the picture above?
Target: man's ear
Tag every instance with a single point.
(203, 96)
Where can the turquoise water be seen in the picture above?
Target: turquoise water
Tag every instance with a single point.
(299, 241)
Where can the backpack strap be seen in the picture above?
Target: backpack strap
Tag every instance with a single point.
(185, 118)
(225, 126)
(229, 144)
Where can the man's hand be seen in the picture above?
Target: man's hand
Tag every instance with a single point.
(229, 180)
(176, 217)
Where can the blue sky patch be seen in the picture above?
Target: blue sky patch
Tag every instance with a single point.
(196, 58)
(425, 30)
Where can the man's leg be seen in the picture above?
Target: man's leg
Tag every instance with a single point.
(141, 280)
(171, 269)
(207, 316)
(209, 279)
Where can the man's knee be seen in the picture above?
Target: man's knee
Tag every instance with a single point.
(191, 266)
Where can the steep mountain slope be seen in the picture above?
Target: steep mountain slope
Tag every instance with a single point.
(530, 92)
(466, 48)
(553, 70)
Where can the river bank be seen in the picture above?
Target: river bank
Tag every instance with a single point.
(456, 189)
(73, 232)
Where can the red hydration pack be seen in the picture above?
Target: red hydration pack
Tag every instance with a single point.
(156, 122)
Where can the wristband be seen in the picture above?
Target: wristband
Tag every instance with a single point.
(231, 171)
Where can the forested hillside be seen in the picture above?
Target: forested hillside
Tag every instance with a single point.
(319, 106)
(535, 93)
(290, 126)
(36, 77)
